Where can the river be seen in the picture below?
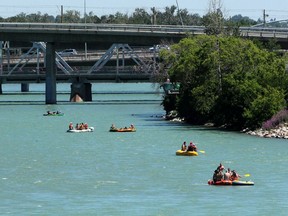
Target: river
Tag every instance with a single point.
(47, 171)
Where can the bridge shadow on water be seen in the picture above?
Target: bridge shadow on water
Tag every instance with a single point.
(96, 102)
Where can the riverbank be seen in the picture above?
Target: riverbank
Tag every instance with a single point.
(279, 132)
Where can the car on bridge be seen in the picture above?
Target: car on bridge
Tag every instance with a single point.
(68, 52)
(158, 47)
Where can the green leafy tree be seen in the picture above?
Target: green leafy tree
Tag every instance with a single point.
(120, 18)
(242, 21)
(214, 19)
(91, 18)
(264, 106)
(18, 18)
(71, 16)
(140, 16)
(225, 80)
(191, 19)
(169, 16)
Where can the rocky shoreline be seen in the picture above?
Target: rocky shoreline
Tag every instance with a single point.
(279, 132)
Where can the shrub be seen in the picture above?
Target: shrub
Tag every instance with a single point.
(277, 119)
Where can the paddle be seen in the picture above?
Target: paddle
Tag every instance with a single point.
(246, 175)
(202, 151)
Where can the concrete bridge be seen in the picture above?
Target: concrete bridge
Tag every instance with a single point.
(103, 35)
(59, 36)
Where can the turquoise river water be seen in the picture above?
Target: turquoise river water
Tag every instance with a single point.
(46, 171)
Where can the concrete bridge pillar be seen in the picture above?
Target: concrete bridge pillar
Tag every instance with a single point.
(1, 63)
(50, 74)
(81, 92)
(24, 87)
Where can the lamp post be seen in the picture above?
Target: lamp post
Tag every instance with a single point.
(85, 28)
(179, 13)
(264, 17)
(85, 11)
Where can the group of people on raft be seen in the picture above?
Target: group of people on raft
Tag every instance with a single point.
(222, 174)
(53, 113)
(78, 126)
(190, 147)
(113, 127)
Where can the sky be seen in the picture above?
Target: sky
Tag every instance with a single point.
(275, 9)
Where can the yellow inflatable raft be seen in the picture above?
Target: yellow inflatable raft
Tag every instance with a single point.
(186, 153)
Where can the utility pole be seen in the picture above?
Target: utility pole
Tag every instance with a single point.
(61, 13)
(264, 17)
(85, 28)
(179, 13)
(154, 14)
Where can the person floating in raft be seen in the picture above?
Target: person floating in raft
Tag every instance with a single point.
(229, 175)
(192, 147)
(217, 176)
(113, 127)
(220, 167)
(184, 147)
(234, 176)
(71, 127)
(85, 126)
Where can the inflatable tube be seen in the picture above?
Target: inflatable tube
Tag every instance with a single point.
(54, 114)
(123, 130)
(242, 183)
(230, 183)
(90, 129)
(186, 153)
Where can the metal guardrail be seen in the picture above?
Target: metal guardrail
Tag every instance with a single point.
(280, 33)
(132, 28)
(100, 27)
(267, 32)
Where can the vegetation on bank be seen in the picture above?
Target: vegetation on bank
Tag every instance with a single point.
(225, 80)
(279, 118)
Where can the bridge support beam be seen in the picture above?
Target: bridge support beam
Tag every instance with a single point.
(1, 64)
(24, 87)
(50, 74)
(81, 92)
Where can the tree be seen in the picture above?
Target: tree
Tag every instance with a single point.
(214, 19)
(140, 16)
(18, 18)
(249, 77)
(242, 21)
(190, 19)
(264, 106)
(168, 16)
(120, 18)
(71, 16)
(91, 18)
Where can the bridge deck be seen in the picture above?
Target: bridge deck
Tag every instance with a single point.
(69, 78)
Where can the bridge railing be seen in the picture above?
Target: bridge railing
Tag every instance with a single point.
(264, 32)
(102, 27)
(125, 27)
(245, 31)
